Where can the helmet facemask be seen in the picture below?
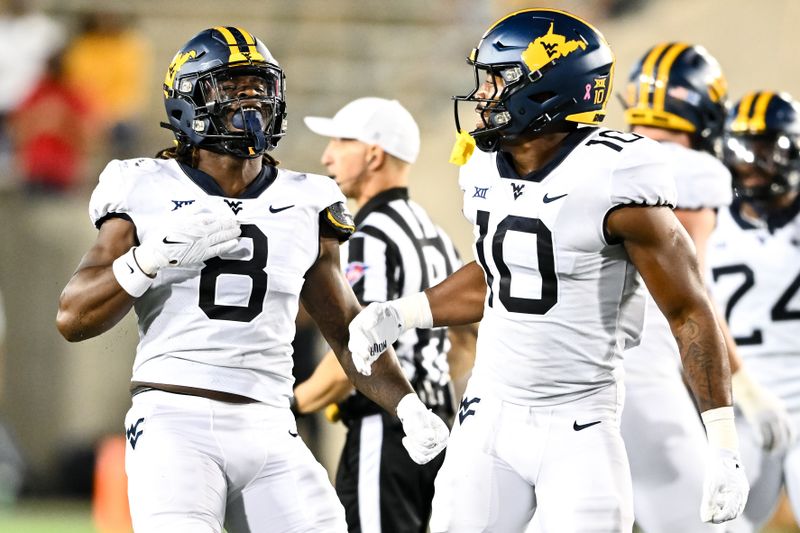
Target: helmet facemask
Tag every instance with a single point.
(240, 109)
(775, 158)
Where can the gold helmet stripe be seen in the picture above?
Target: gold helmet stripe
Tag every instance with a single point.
(236, 53)
(251, 43)
(758, 120)
(647, 74)
(743, 114)
(664, 66)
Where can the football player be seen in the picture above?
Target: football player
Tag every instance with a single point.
(565, 213)
(213, 246)
(676, 94)
(754, 259)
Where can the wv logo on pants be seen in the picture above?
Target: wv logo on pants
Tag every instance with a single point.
(133, 433)
(466, 408)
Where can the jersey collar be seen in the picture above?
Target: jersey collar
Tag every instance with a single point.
(264, 179)
(506, 167)
(383, 197)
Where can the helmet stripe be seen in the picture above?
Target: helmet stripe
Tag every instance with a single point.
(743, 113)
(646, 75)
(758, 120)
(238, 43)
(664, 66)
(251, 44)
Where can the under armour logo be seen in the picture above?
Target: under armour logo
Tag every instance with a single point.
(377, 348)
(181, 203)
(480, 192)
(235, 206)
(465, 409)
(133, 433)
(517, 189)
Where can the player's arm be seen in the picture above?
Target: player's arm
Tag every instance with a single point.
(93, 301)
(328, 384)
(458, 300)
(330, 301)
(660, 249)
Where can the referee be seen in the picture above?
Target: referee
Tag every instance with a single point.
(396, 251)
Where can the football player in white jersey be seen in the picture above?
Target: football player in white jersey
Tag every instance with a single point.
(676, 95)
(754, 260)
(564, 215)
(213, 246)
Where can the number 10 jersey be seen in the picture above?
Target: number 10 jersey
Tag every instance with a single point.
(562, 301)
(226, 325)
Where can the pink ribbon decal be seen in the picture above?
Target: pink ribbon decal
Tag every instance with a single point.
(588, 90)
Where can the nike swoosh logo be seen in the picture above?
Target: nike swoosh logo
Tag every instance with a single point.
(130, 267)
(547, 199)
(167, 241)
(579, 427)
(293, 434)
(279, 209)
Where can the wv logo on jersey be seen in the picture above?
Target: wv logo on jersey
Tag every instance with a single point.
(480, 192)
(548, 47)
(235, 206)
(177, 204)
(133, 433)
(517, 189)
(466, 408)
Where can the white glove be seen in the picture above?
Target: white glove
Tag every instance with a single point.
(379, 325)
(426, 433)
(764, 411)
(188, 240)
(725, 486)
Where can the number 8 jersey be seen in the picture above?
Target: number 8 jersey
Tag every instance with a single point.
(228, 325)
(562, 301)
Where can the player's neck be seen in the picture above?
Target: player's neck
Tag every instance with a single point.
(775, 205)
(232, 174)
(533, 154)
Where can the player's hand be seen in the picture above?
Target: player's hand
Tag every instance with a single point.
(188, 240)
(764, 411)
(372, 331)
(725, 486)
(426, 433)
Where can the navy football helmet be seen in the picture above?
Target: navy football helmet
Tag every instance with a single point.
(680, 87)
(224, 92)
(762, 137)
(545, 70)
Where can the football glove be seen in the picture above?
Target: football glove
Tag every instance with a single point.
(725, 485)
(764, 411)
(188, 241)
(379, 325)
(426, 433)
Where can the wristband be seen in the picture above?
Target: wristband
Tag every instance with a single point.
(721, 428)
(129, 274)
(415, 311)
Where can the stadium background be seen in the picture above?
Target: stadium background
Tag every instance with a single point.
(59, 399)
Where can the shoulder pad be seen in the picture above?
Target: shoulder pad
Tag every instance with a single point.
(337, 221)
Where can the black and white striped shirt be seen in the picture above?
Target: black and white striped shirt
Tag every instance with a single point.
(397, 251)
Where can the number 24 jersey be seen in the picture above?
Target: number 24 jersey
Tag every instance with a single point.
(227, 325)
(562, 301)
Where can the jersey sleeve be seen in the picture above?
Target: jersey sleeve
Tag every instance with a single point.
(372, 265)
(110, 196)
(702, 181)
(643, 177)
(335, 219)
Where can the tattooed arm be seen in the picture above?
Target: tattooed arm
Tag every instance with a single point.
(661, 250)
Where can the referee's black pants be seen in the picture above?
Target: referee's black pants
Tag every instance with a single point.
(381, 488)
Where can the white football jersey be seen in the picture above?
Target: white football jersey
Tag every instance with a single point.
(229, 325)
(755, 279)
(702, 181)
(562, 302)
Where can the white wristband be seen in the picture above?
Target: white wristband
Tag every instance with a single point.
(129, 274)
(415, 311)
(721, 428)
